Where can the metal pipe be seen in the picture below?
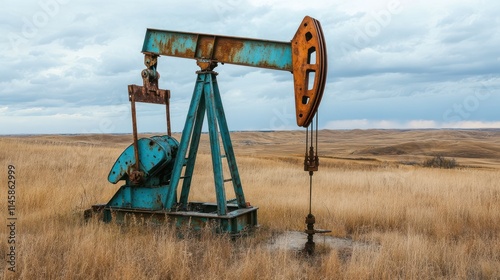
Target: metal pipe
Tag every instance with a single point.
(167, 112)
(134, 131)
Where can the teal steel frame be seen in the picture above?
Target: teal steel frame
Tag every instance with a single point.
(206, 98)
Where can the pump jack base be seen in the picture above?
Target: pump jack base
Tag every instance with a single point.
(196, 216)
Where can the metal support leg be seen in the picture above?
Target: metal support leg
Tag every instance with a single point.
(193, 151)
(215, 145)
(180, 160)
(228, 146)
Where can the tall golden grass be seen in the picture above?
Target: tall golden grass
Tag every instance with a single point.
(418, 223)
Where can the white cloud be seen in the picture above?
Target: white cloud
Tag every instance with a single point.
(474, 124)
(418, 124)
(412, 124)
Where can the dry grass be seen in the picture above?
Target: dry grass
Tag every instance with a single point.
(423, 223)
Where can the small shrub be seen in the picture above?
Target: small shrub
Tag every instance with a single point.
(441, 162)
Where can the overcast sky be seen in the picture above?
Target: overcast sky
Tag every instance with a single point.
(66, 64)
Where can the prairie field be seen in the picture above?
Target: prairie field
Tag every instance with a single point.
(407, 221)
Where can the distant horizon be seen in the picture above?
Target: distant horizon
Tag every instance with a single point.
(260, 131)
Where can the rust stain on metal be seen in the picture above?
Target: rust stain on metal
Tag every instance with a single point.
(308, 43)
(167, 48)
(205, 46)
(227, 49)
(141, 94)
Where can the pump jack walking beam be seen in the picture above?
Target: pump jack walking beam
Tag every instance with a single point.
(305, 56)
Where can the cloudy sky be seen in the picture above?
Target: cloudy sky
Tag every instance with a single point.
(66, 64)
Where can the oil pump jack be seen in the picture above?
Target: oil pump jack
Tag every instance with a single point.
(153, 167)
